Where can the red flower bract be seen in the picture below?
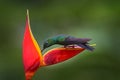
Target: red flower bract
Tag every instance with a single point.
(32, 57)
(57, 55)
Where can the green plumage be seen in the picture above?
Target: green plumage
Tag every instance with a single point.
(56, 39)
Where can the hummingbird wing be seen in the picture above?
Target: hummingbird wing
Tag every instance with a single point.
(82, 42)
(74, 40)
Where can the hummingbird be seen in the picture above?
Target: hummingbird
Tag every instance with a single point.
(66, 41)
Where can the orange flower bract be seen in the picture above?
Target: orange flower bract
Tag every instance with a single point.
(32, 57)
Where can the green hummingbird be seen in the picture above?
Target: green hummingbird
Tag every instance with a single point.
(66, 41)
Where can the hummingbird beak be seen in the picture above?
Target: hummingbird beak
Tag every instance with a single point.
(42, 50)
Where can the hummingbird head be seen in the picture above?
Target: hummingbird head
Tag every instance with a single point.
(47, 44)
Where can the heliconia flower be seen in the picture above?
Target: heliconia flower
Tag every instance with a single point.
(33, 58)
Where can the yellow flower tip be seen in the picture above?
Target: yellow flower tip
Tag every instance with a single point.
(93, 45)
(27, 12)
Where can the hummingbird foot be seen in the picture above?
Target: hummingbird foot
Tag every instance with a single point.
(69, 46)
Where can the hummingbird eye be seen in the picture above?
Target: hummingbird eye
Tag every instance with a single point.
(46, 44)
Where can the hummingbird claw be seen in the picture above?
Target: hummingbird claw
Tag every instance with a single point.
(69, 46)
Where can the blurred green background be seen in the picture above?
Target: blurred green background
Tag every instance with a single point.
(96, 19)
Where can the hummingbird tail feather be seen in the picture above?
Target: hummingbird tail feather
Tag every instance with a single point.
(86, 46)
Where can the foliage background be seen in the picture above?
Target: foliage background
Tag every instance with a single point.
(96, 19)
